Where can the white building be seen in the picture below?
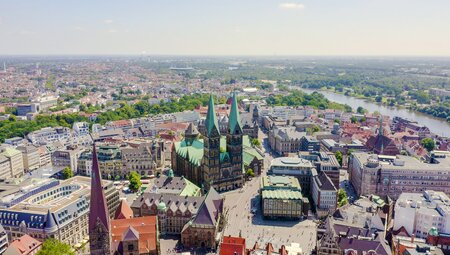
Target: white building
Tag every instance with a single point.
(419, 212)
(49, 135)
(80, 128)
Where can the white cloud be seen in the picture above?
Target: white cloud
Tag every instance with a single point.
(292, 6)
(112, 30)
(108, 21)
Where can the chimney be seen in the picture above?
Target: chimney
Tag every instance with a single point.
(412, 238)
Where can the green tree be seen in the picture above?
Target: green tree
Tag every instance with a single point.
(53, 246)
(342, 198)
(67, 173)
(256, 142)
(428, 143)
(338, 156)
(361, 110)
(135, 181)
(250, 172)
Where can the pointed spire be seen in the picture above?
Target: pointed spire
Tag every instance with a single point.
(381, 130)
(211, 117)
(234, 120)
(98, 208)
(50, 223)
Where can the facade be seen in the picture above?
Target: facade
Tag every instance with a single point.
(285, 140)
(393, 175)
(48, 208)
(30, 156)
(3, 240)
(281, 197)
(49, 134)
(418, 213)
(297, 167)
(324, 162)
(80, 128)
(65, 158)
(324, 194)
(84, 163)
(309, 143)
(173, 211)
(109, 161)
(11, 162)
(174, 200)
(215, 161)
(143, 158)
(202, 230)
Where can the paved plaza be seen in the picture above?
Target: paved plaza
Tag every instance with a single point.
(241, 221)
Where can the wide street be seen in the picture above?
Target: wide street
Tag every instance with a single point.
(241, 221)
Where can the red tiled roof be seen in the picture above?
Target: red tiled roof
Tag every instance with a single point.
(145, 226)
(123, 211)
(25, 245)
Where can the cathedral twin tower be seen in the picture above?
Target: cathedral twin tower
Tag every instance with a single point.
(222, 167)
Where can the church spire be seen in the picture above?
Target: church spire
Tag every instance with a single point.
(211, 117)
(381, 130)
(99, 229)
(234, 120)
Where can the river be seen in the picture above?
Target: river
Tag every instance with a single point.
(436, 125)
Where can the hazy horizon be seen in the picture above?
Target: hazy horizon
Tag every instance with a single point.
(252, 28)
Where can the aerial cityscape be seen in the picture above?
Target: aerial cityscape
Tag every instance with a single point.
(230, 128)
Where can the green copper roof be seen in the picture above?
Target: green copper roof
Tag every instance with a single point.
(162, 206)
(281, 194)
(191, 189)
(433, 232)
(211, 117)
(234, 120)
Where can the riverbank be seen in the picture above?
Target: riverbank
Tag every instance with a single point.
(384, 102)
(436, 125)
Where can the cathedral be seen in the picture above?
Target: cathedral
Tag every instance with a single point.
(218, 160)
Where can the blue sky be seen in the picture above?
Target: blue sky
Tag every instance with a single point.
(227, 27)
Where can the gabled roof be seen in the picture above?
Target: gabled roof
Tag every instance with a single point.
(123, 211)
(24, 245)
(211, 117)
(130, 234)
(210, 209)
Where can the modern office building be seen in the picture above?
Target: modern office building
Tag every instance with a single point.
(418, 213)
(282, 197)
(30, 156)
(393, 175)
(297, 167)
(11, 162)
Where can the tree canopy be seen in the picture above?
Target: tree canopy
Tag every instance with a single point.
(53, 246)
(135, 181)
